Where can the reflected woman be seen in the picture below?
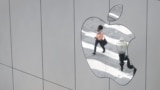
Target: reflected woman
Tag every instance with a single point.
(99, 39)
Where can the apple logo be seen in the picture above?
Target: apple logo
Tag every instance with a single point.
(110, 59)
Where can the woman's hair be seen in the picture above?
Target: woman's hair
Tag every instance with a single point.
(100, 27)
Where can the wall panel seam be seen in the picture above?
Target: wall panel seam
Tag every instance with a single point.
(10, 23)
(75, 78)
(146, 44)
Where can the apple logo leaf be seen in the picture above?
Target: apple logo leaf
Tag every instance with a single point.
(105, 47)
(115, 13)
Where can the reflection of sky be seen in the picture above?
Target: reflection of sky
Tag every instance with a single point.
(95, 64)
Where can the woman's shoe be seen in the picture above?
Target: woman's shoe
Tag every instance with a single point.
(94, 53)
(134, 72)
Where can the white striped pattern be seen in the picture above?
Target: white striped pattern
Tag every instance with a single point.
(113, 15)
(108, 53)
(94, 64)
(92, 35)
(119, 28)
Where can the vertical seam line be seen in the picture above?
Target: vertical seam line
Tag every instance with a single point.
(146, 45)
(75, 80)
(109, 23)
(9, 2)
(41, 43)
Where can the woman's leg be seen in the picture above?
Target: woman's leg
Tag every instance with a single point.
(128, 63)
(130, 66)
(122, 58)
(95, 46)
(102, 45)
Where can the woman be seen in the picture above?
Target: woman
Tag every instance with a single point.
(99, 39)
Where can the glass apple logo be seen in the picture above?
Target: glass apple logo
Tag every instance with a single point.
(109, 60)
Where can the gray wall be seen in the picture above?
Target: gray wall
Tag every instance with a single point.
(40, 44)
(153, 44)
